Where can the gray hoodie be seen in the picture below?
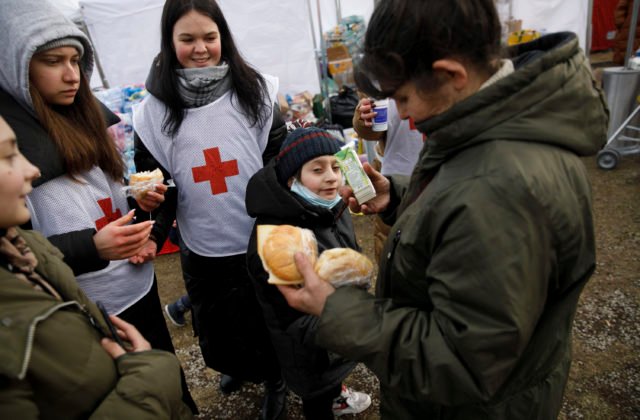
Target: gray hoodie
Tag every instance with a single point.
(26, 25)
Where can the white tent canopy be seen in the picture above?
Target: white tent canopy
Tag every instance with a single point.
(276, 37)
(70, 8)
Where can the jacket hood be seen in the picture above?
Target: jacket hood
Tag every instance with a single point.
(267, 199)
(551, 98)
(26, 25)
(152, 84)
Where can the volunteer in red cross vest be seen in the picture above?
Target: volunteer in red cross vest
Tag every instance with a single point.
(209, 123)
(78, 203)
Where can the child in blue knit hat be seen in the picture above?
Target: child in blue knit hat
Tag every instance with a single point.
(300, 188)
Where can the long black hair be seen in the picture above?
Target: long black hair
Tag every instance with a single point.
(248, 85)
(405, 38)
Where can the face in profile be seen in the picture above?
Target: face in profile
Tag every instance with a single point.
(55, 73)
(322, 176)
(16, 174)
(420, 106)
(196, 40)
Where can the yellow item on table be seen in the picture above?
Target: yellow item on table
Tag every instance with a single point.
(520, 37)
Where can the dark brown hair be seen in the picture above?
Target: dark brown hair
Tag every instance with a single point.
(405, 38)
(80, 133)
(247, 84)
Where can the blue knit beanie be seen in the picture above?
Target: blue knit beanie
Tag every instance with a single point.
(300, 146)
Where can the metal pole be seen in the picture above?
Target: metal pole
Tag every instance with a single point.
(324, 89)
(632, 32)
(338, 12)
(313, 29)
(96, 59)
(316, 52)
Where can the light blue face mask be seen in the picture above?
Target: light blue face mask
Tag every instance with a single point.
(313, 198)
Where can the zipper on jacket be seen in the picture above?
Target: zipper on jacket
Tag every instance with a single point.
(336, 234)
(334, 227)
(390, 254)
(32, 331)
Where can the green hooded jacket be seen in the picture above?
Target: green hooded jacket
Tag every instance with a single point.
(52, 365)
(491, 247)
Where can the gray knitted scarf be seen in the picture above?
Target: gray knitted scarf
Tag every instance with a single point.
(201, 86)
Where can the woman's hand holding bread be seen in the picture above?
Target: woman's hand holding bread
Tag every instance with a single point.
(148, 189)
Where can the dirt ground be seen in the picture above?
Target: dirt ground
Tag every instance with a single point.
(605, 376)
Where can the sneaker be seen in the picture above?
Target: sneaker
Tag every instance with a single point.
(175, 316)
(350, 402)
(229, 384)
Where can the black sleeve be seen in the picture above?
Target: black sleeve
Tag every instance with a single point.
(166, 213)
(79, 250)
(277, 135)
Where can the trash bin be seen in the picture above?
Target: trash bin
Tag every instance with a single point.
(621, 87)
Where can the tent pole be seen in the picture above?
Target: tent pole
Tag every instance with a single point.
(96, 59)
(632, 32)
(316, 52)
(313, 30)
(324, 75)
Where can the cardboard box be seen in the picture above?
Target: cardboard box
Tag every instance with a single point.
(284, 105)
(342, 72)
(337, 52)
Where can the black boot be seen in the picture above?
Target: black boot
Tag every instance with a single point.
(229, 384)
(275, 400)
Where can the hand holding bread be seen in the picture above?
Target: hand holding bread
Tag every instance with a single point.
(143, 182)
(148, 189)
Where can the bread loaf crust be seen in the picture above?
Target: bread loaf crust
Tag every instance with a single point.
(278, 248)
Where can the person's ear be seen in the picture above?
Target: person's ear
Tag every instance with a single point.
(290, 182)
(453, 71)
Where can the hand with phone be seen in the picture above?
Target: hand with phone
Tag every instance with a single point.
(122, 330)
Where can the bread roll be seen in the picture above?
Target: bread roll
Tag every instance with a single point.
(277, 245)
(344, 266)
(143, 182)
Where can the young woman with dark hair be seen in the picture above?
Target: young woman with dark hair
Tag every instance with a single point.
(492, 236)
(248, 85)
(79, 202)
(210, 122)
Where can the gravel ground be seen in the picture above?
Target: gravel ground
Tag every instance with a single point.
(605, 376)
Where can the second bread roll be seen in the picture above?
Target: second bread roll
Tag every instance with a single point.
(345, 266)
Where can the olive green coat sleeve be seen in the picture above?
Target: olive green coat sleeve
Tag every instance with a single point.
(148, 388)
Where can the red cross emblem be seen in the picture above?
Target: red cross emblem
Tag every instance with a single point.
(412, 126)
(109, 215)
(215, 171)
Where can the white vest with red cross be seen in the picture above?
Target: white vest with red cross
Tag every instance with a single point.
(211, 159)
(403, 145)
(93, 200)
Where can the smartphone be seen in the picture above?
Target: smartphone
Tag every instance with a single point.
(112, 328)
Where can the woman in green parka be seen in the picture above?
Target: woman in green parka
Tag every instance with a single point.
(56, 361)
(492, 239)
